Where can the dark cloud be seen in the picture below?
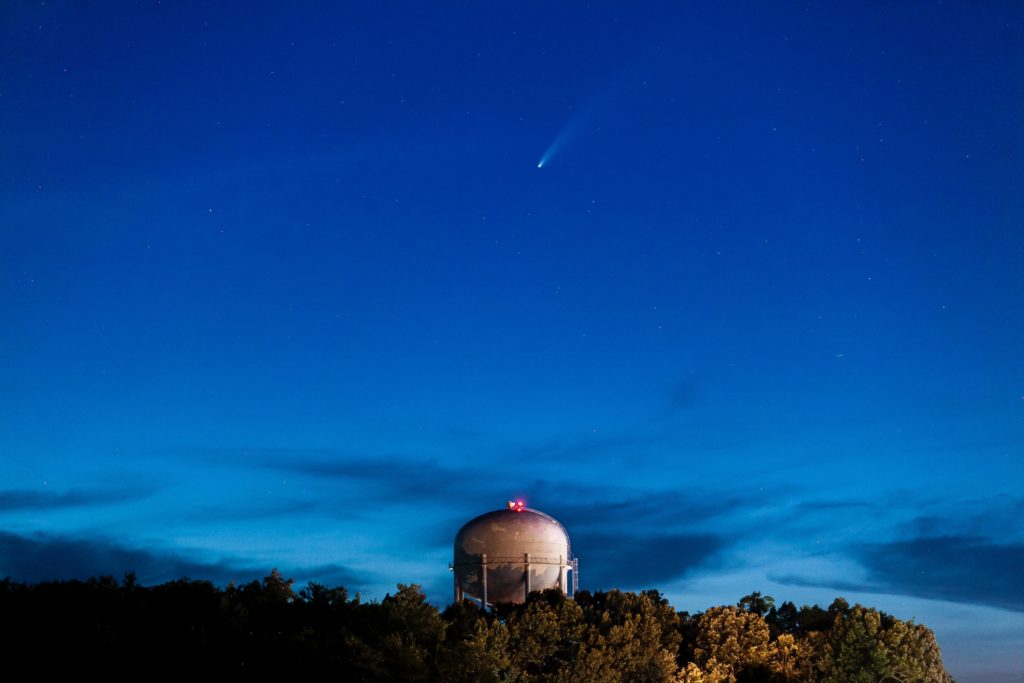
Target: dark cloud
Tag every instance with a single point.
(43, 557)
(28, 499)
(991, 517)
(581, 507)
(501, 466)
(394, 480)
(964, 569)
(607, 507)
(403, 479)
(957, 568)
(608, 525)
(630, 539)
(610, 528)
(634, 560)
(818, 505)
(624, 537)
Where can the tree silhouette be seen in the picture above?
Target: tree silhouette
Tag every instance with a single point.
(268, 629)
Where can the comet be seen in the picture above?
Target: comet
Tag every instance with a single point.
(568, 132)
(600, 106)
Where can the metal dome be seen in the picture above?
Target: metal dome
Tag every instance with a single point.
(502, 556)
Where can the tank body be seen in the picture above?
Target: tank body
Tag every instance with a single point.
(502, 556)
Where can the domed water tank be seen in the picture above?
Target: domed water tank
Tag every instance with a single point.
(502, 556)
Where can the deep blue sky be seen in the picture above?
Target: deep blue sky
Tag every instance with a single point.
(285, 287)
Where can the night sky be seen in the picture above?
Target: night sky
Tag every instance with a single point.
(290, 287)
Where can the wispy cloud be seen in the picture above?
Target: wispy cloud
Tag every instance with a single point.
(33, 499)
(44, 557)
(583, 448)
(395, 479)
(604, 507)
(963, 569)
(645, 537)
(397, 476)
(967, 551)
(625, 536)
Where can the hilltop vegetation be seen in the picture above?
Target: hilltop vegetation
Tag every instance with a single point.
(266, 629)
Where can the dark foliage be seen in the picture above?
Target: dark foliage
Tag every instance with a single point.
(266, 629)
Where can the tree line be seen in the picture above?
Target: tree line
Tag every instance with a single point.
(267, 629)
